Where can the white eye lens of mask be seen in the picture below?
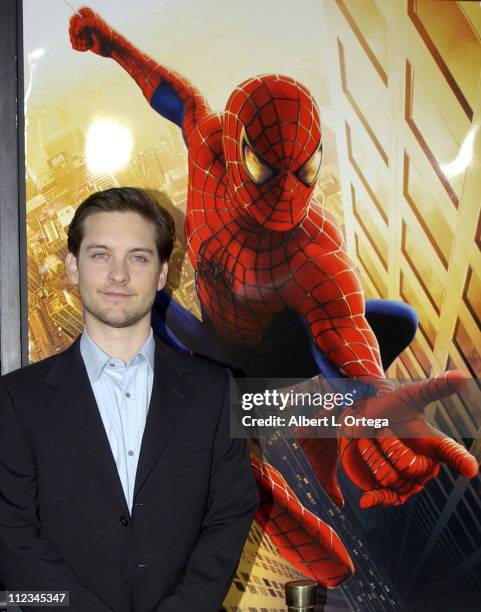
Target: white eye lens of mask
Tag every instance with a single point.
(258, 170)
(309, 171)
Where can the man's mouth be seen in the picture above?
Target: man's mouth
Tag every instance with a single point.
(116, 295)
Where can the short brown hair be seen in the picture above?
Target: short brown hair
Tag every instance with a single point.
(124, 199)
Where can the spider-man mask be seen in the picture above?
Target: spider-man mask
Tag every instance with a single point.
(272, 147)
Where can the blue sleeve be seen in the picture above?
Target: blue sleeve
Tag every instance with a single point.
(168, 104)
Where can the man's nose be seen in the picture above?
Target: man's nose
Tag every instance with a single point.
(119, 271)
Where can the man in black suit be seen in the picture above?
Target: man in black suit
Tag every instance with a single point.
(118, 480)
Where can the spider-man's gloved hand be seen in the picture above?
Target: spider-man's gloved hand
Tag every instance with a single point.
(89, 32)
(400, 460)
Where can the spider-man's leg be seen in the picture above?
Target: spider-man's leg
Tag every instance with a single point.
(394, 324)
(285, 353)
(181, 330)
(302, 538)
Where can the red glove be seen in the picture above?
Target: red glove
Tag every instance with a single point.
(391, 468)
(90, 33)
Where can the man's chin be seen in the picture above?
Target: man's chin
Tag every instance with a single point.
(118, 320)
(119, 324)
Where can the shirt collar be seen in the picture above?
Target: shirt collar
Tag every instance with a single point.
(95, 358)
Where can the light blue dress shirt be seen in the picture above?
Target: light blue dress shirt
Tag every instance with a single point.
(123, 395)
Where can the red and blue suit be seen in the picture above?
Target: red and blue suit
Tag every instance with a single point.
(280, 295)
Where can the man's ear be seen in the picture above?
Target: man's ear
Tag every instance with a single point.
(71, 267)
(163, 276)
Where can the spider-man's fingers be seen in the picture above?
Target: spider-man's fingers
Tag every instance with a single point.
(440, 448)
(80, 27)
(386, 497)
(356, 469)
(435, 471)
(377, 463)
(411, 465)
(393, 464)
(420, 394)
(89, 32)
(456, 457)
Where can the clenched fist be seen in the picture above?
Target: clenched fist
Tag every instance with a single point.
(89, 32)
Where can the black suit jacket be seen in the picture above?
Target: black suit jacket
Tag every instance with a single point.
(64, 522)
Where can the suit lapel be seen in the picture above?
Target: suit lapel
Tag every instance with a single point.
(170, 395)
(75, 406)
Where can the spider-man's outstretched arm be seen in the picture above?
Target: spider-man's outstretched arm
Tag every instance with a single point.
(168, 93)
(326, 291)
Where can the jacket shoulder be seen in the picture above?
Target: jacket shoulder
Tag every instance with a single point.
(32, 373)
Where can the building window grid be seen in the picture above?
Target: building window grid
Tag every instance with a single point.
(440, 551)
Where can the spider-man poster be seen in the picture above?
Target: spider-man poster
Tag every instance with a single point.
(320, 161)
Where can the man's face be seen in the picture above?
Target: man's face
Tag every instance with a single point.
(117, 269)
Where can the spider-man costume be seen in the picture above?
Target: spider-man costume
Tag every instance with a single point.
(270, 266)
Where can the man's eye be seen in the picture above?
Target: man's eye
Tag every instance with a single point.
(99, 256)
(259, 171)
(139, 259)
(309, 171)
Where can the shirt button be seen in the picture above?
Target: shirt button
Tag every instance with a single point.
(131, 453)
(112, 364)
(127, 394)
